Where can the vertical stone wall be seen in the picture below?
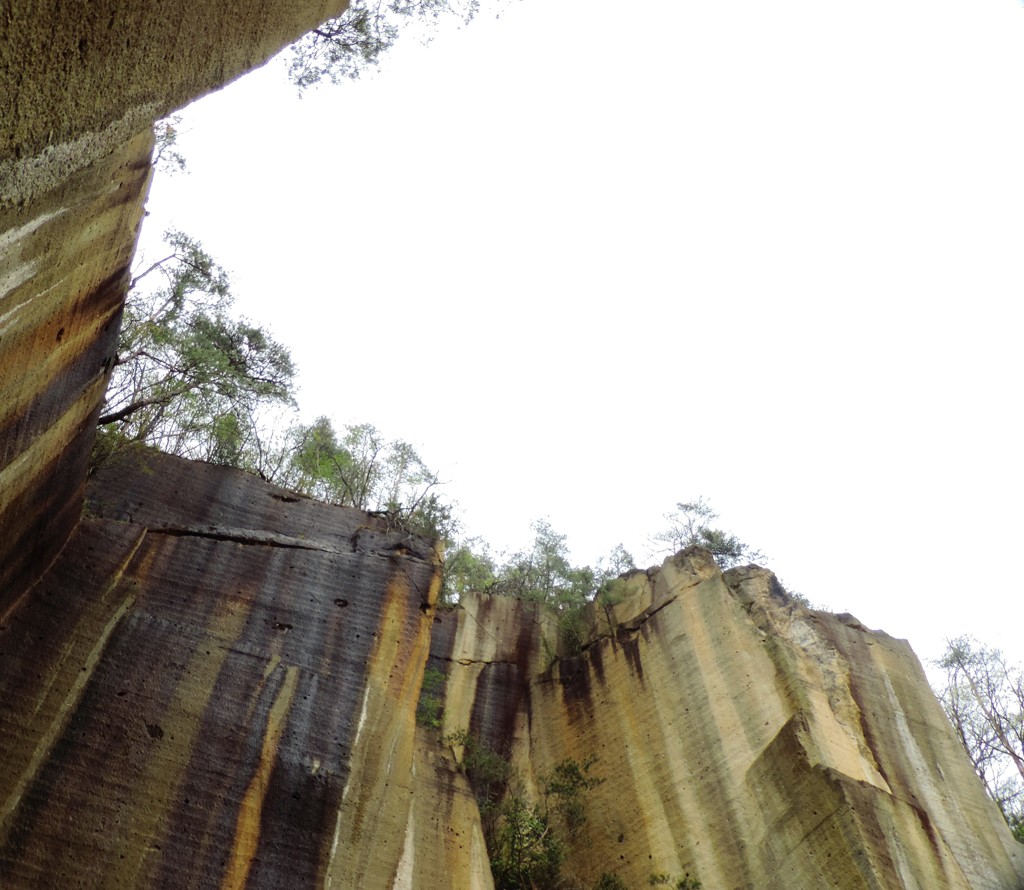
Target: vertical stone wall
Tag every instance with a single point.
(741, 739)
(80, 86)
(214, 686)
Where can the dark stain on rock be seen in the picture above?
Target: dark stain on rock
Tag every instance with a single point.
(41, 519)
(631, 649)
(66, 385)
(574, 679)
(196, 598)
(595, 652)
(499, 695)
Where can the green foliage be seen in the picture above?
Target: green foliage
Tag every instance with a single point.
(344, 47)
(984, 700)
(192, 380)
(564, 789)
(360, 468)
(524, 852)
(609, 881)
(488, 772)
(430, 708)
(523, 847)
(676, 882)
(1016, 823)
(189, 378)
(468, 567)
(543, 573)
(690, 524)
(572, 629)
(166, 157)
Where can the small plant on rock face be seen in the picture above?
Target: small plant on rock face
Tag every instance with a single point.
(610, 882)
(430, 709)
(522, 840)
(564, 788)
(678, 883)
(524, 852)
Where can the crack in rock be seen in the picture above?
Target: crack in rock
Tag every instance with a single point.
(247, 536)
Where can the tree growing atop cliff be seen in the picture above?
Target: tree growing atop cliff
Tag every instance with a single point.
(691, 524)
(189, 378)
(361, 468)
(544, 573)
(984, 700)
(342, 48)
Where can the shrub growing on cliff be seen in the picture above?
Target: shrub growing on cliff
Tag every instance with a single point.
(525, 854)
(188, 377)
(522, 844)
(690, 524)
(430, 708)
(344, 47)
(564, 789)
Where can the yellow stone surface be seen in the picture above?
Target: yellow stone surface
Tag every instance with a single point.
(235, 704)
(743, 739)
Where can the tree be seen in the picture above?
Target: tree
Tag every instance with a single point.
(691, 525)
(522, 843)
(984, 699)
(468, 567)
(525, 853)
(544, 573)
(359, 469)
(166, 156)
(564, 789)
(189, 378)
(343, 47)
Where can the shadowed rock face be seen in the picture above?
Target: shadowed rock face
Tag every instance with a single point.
(216, 685)
(80, 87)
(195, 697)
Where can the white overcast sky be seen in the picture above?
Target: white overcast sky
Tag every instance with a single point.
(596, 258)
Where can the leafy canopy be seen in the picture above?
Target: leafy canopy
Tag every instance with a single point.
(690, 525)
(189, 377)
(524, 844)
(342, 48)
(984, 700)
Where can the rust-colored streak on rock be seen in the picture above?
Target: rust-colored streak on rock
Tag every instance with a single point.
(443, 844)
(365, 849)
(250, 812)
(213, 740)
(61, 385)
(38, 520)
(63, 272)
(741, 738)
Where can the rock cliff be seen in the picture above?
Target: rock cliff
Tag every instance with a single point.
(216, 685)
(208, 682)
(80, 87)
(742, 738)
